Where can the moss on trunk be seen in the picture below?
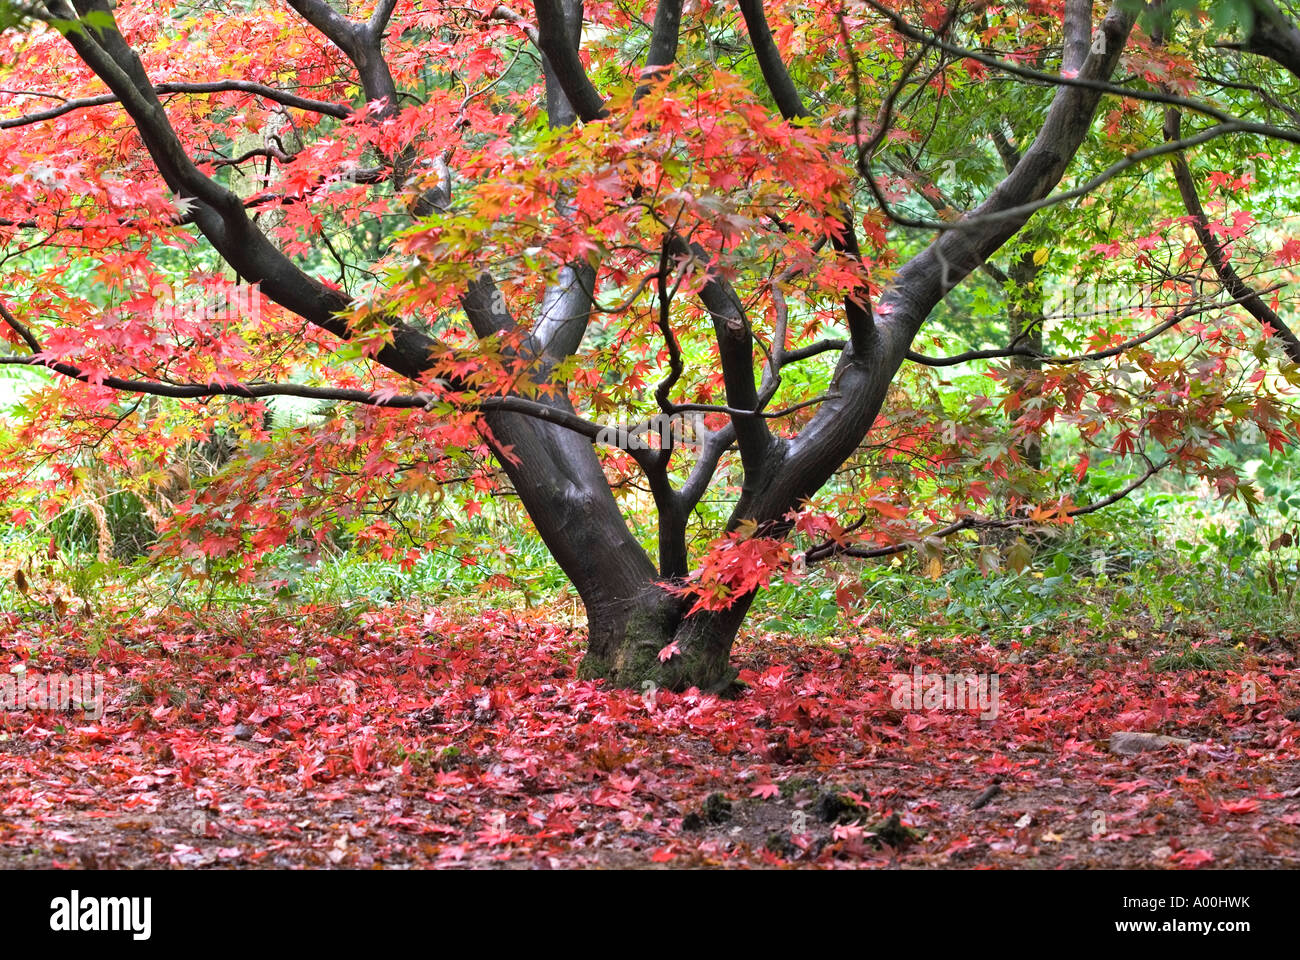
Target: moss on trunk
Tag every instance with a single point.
(625, 648)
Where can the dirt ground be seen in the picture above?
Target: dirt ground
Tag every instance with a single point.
(417, 740)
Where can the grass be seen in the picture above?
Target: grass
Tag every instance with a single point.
(1198, 658)
(1154, 565)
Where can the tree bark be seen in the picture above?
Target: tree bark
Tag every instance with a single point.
(626, 641)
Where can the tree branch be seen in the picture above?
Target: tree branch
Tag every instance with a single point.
(337, 110)
(379, 19)
(1273, 36)
(829, 549)
(1066, 78)
(1237, 288)
(858, 389)
(857, 305)
(219, 213)
(261, 391)
(554, 40)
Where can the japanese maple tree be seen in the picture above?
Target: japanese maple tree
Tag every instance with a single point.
(687, 252)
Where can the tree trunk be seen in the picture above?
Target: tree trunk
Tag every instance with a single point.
(625, 643)
(631, 614)
(1026, 320)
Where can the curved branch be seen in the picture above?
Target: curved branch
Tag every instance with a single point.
(1273, 36)
(378, 22)
(361, 43)
(1003, 353)
(262, 391)
(974, 222)
(861, 383)
(219, 213)
(770, 63)
(338, 110)
(1066, 79)
(1214, 250)
(19, 328)
(812, 350)
(829, 549)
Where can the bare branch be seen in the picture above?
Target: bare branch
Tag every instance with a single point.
(1215, 252)
(1003, 353)
(337, 110)
(830, 549)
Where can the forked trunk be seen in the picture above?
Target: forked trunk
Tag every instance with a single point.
(632, 617)
(630, 644)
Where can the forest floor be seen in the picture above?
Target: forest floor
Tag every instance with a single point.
(404, 738)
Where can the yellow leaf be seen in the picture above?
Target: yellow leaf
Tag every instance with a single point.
(1019, 555)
